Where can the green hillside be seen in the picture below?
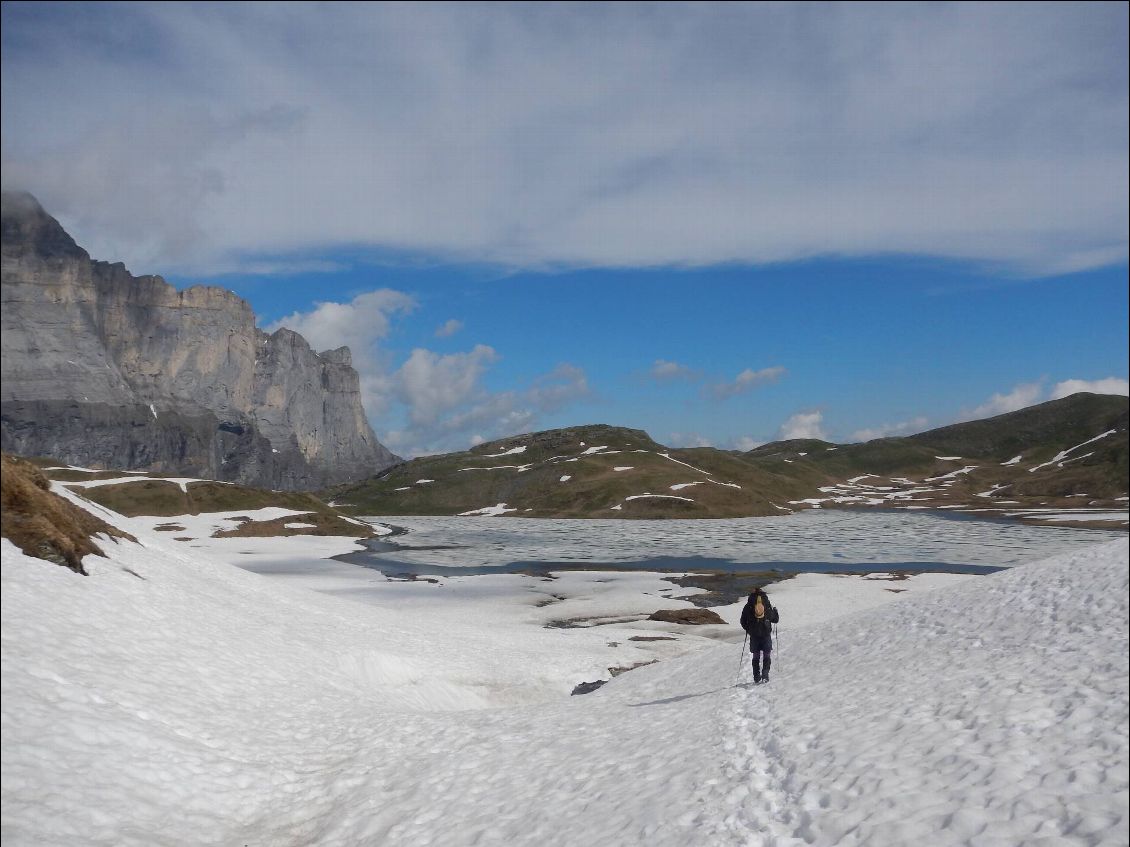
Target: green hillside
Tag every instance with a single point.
(1000, 465)
(589, 471)
(158, 497)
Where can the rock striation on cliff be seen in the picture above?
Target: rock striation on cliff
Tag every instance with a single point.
(104, 369)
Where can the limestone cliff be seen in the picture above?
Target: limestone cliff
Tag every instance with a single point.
(105, 369)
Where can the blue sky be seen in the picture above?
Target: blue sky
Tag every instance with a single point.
(723, 224)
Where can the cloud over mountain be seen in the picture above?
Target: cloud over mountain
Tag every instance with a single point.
(1110, 385)
(803, 425)
(1031, 393)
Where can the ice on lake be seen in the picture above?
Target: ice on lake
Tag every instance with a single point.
(879, 537)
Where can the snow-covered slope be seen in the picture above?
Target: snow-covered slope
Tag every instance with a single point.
(171, 699)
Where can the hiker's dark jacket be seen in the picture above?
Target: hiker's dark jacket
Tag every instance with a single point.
(760, 630)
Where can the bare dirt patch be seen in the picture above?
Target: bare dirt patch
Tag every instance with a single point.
(687, 617)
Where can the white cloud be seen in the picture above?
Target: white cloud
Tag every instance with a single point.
(1020, 397)
(1110, 385)
(1030, 393)
(665, 371)
(605, 134)
(357, 324)
(431, 384)
(887, 430)
(745, 444)
(448, 408)
(747, 380)
(803, 425)
(440, 396)
(449, 328)
(688, 439)
(695, 439)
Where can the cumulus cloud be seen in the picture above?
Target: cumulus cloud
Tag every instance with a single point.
(1030, 393)
(458, 412)
(1110, 385)
(358, 324)
(439, 396)
(689, 439)
(747, 380)
(431, 384)
(803, 425)
(665, 371)
(742, 443)
(485, 416)
(449, 328)
(888, 430)
(203, 137)
(745, 443)
(1020, 397)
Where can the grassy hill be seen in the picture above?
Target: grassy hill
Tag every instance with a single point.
(1068, 454)
(1001, 464)
(588, 471)
(154, 496)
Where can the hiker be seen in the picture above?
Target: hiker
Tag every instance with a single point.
(758, 618)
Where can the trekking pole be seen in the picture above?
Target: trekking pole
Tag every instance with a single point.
(777, 646)
(741, 658)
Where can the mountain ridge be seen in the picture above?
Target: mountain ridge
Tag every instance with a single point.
(1071, 456)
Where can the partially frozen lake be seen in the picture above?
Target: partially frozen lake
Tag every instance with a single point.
(817, 540)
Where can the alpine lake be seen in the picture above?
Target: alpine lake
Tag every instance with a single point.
(727, 557)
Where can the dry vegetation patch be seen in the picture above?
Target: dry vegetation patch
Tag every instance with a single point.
(60, 474)
(142, 497)
(43, 524)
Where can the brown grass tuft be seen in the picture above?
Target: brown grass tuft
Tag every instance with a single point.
(43, 524)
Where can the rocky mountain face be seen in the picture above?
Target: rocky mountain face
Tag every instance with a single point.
(104, 369)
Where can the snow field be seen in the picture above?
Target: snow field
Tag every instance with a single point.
(214, 714)
(993, 712)
(214, 706)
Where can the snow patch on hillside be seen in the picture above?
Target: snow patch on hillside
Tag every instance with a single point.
(180, 481)
(488, 511)
(513, 451)
(1059, 457)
